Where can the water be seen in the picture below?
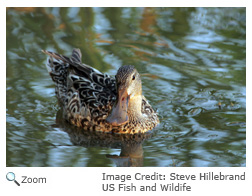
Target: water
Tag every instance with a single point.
(193, 67)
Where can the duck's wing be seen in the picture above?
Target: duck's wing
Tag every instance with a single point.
(74, 61)
(149, 112)
(91, 87)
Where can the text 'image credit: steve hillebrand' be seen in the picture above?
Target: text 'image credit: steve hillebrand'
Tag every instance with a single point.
(163, 182)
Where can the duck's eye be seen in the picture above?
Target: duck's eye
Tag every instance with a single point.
(133, 78)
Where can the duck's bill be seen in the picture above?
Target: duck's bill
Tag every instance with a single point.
(119, 115)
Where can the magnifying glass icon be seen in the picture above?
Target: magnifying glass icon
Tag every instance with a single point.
(11, 177)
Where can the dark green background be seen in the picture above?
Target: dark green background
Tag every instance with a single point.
(192, 62)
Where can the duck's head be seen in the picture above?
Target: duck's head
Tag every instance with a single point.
(129, 96)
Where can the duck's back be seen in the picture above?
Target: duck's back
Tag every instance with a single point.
(85, 94)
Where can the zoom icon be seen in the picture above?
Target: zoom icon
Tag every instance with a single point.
(11, 177)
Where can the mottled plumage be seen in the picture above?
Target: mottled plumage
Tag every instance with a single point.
(97, 102)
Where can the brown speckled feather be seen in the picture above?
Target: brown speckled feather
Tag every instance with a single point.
(88, 96)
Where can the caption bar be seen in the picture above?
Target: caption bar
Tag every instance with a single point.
(162, 182)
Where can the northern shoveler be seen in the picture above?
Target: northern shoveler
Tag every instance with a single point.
(97, 102)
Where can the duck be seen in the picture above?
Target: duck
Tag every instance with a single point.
(95, 101)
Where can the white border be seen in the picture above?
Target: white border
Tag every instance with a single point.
(66, 181)
(128, 3)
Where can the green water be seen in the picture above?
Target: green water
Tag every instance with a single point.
(193, 67)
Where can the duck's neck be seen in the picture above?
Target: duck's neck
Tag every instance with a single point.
(135, 108)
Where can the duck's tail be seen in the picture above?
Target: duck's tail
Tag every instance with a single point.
(57, 67)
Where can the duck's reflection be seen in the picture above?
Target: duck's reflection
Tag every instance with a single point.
(130, 144)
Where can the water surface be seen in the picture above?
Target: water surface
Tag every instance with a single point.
(192, 62)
